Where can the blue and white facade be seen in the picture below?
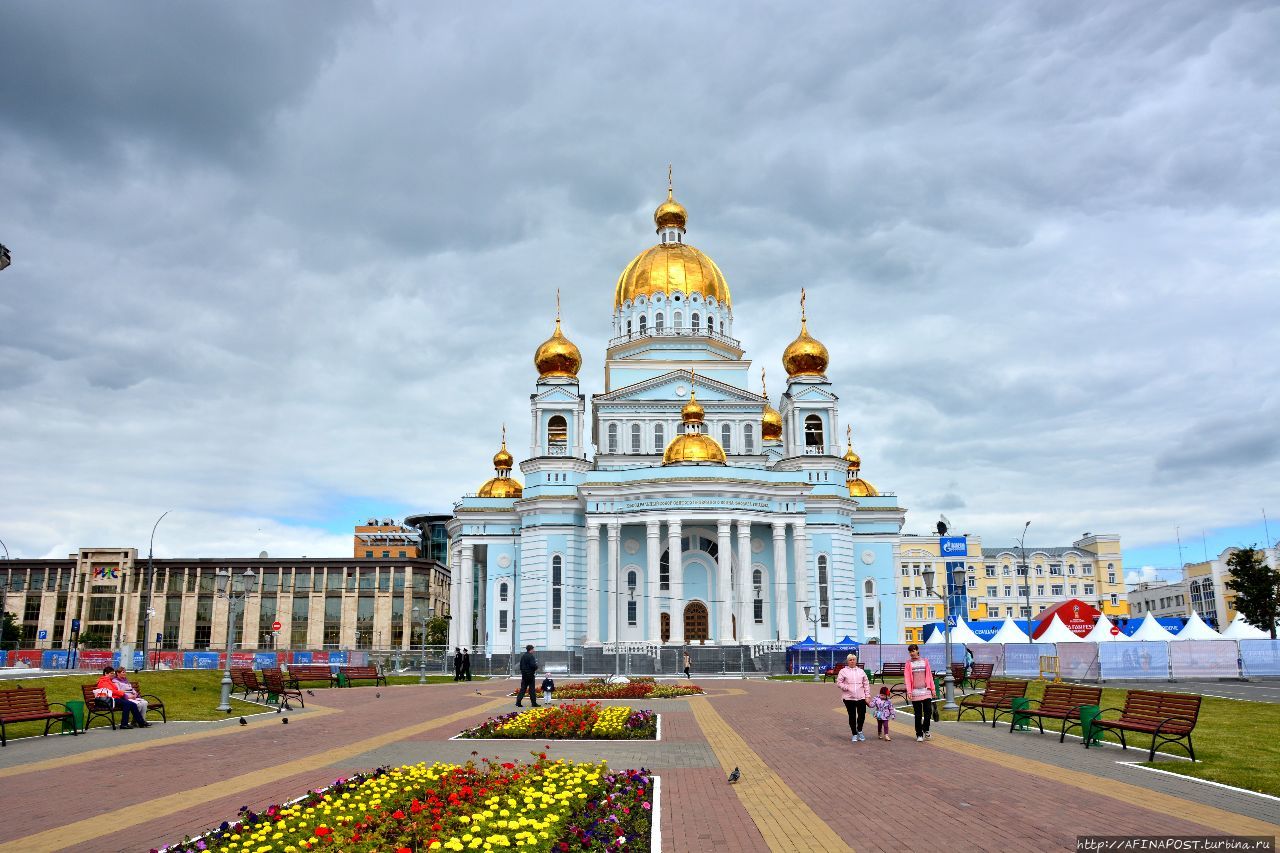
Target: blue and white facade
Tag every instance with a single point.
(605, 542)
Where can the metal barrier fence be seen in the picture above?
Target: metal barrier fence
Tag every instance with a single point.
(1131, 660)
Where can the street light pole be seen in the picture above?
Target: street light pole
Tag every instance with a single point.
(1026, 568)
(417, 611)
(949, 678)
(226, 587)
(6, 549)
(814, 615)
(146, 606)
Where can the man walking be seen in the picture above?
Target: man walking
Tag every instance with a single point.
(528, 668)
(457, 663)
(466, 664)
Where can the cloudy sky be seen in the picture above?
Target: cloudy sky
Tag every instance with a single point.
(279, 267)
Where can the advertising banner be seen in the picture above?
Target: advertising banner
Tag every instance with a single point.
(1131, 660)
(242, 660)
(302, 658)
(265, 660)
(27, 658)
(1260, 657)
(96, 659)
(167, 660)
(54, 659)
(1204, 659)
(200, 660)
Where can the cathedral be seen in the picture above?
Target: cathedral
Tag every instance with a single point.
(694, 511)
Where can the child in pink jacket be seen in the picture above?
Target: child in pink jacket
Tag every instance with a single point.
(855, 689)
(918, 679)
(882, 708)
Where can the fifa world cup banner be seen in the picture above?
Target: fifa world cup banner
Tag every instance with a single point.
(97, 658)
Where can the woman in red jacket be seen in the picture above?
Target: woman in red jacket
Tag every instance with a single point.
(918, 680)
(109, 694)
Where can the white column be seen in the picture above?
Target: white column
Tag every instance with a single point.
(675, 566)
(781, 597)
(466, 608)
(804, 595)
(746, 592)
(455, 596)
(611, 580)
(593, 582)
(651, 543)
(723, 591)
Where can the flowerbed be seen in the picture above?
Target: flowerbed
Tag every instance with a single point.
(643, 688)
(586, 721)
(539, 806)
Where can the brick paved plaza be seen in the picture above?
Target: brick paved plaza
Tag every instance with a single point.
(804, 786)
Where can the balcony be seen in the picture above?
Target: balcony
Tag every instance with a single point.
(675, 332)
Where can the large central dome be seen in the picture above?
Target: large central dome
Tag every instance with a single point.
(671, 268)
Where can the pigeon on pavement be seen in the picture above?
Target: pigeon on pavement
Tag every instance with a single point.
(285, 721)
(243, 721)
(377, 696)
(735, 775)
(311, 693)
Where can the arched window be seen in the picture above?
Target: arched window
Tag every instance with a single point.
(722, 325)
(659, 442)
(869, 591)
(631, 580)
(557, 431)
(613, 438)
(813, 432)
(657, 323)
(635, 438)
(757, 578)
(726, 433)
(824, 598)
(557, 589)
(679, 318)
(502, 592)
(644, 324)
(748, 439)
(697, 326)
(664, 570)
(869, 588)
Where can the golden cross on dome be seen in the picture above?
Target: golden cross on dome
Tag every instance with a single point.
(504, 435)
(764, 389)
(557, 305)
(848, 434)
(802, 305)
(670, 183)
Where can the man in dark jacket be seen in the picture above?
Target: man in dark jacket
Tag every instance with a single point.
(457, 663)
(528, 669)
(466, 664)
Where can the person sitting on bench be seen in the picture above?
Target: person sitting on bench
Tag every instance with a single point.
(109, 695)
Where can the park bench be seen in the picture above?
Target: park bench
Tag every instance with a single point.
(998, 697)
(834, 670)
(1060, 702)
(1167, 717)
(28, 704)
(246, 680)
(364, 673)
(889, 670)
(273, 682)
(299, 673)
(980, 672)
(93, 710)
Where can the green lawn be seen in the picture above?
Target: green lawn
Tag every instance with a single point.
(1235, 741)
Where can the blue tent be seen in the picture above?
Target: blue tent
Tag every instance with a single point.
(848, 643)
(802, 656)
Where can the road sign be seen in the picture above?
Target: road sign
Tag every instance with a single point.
(1115, 632)
(275, 626)
(954, 546)
(42, 635)
(951, 620)
(75, 624)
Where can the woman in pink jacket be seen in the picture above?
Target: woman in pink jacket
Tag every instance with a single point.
(918, 680)
(856, 690)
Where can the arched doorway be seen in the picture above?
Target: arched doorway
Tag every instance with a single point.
(695, 622)
(734, 619)
(666, 627)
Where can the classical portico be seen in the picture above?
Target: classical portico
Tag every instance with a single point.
(678, 505)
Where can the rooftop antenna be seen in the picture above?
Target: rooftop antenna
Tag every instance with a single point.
(1181, 565)
(1266, 528)
(1205, 544)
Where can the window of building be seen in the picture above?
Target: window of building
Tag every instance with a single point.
(502, 621)
(502, 591)
(664, 570)
(386, 555)
(813, 431)
(404, 554)
(726, 434)
(748, 439)
(557, 431)
(871, 617)
(696, 322)
(677, 320)
(657, 323)
(557, 590)
(635, 438)
(613, 438)
(992, 591)
(823, 592)
(1055, 589)
(1088, 589)
(368, 554)
(659, 439)
(1115, 599)
(919, 612)
(1040, 589)
(722, 325)
(644, 325)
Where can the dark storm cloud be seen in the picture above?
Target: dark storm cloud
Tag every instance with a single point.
(270, 260)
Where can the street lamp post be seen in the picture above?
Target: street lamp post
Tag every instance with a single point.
(957, 576)
(148, 612)
(226, 586)
(6, 549)
(430, 614)
(1026, 569)
(814, 615)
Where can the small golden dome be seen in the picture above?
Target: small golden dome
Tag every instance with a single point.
(859, 488)
(692, 411)
(805, 356)
(557, 356)
(671, 213)
(854, 460)
(502, 487)
(503, 460)
(693, 448)
(771, 418)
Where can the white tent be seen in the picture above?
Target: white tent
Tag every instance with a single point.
(1152, 631)
(939, 635)
(1009, 633)
(1057, 632)
(1101, 632)
(964, 635)
(1239, 629)
(1196, 629)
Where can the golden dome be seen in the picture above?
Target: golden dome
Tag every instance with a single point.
(854, 460)
(557, 356)
(670, 268)
(859, 488)
(805, 356)
(771, 418)
(693, 448)
(671, 213)
(692, 411)
(502, 486)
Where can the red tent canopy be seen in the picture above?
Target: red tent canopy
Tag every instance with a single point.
(1077, 615)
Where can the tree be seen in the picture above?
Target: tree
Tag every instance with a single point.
(437, 631)
(11, 632)
(1257, 588)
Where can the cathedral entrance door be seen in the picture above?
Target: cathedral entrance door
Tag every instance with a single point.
(666, 627)
(695, 621)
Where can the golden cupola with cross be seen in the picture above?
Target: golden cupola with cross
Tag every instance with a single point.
(806, 355)
(557, 356)
(858, 487)
(693, 446)
(502, 485)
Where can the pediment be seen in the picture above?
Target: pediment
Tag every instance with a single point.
(663, 387)
(812, 392)
(556, 394)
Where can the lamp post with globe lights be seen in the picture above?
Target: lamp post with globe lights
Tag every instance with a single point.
(957, 577)
(233, 589)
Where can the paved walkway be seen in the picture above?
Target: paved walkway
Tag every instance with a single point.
(804, 785)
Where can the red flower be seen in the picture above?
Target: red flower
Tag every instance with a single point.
(403, 850)
(397, 814)
(322, 831)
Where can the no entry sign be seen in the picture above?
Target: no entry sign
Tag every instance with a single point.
(275, 626)
(1115, 632)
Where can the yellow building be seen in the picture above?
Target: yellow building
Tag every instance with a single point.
(1091, 569)
(1207, 585)
(386, 540)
